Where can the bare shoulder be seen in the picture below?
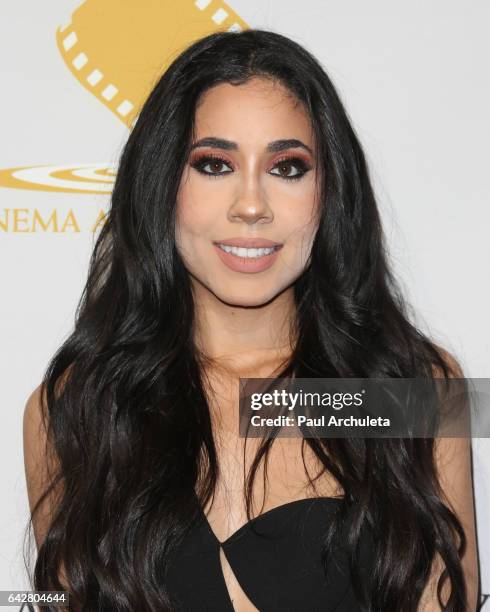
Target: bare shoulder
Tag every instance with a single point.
(454, 469)
(35, 459)
(33, 421)
(39, 462)
(454, 367)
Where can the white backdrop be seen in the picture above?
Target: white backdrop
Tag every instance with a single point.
(414, 78)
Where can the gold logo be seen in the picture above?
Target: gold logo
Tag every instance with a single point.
(117, 49)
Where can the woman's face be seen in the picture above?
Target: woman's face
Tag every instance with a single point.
(249, 184)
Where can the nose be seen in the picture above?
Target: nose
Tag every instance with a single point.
(250, 204)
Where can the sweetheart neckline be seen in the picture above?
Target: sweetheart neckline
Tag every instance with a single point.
(263, 515)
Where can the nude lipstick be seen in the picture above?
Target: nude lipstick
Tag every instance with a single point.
(247, 255)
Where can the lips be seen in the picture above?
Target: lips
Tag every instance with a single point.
(247, 265)
(248, 243)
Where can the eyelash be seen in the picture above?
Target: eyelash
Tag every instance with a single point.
(202, 161)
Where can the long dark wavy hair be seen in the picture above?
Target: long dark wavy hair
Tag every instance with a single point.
(126, 412)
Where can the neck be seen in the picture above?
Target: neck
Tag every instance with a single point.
(239, 337)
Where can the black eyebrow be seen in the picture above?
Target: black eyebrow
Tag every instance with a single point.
(272, 147)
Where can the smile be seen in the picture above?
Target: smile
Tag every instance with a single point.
(249, 253)
(247, 260)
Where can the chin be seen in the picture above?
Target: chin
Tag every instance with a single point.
(245, 298)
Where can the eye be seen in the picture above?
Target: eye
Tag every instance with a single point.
(285, 165)
(214, 163)
(211, 165)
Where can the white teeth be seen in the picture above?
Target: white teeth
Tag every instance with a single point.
(242, 252)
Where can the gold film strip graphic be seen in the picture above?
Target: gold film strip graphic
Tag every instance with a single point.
(117, 50)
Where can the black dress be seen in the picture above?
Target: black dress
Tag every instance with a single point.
(276, 558)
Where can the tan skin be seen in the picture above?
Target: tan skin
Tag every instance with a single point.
(243, 320)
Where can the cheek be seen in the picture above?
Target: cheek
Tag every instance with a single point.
(194, 215)
(303, 240)
(303, 224)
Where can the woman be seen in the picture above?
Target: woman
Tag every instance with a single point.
(243, 240)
